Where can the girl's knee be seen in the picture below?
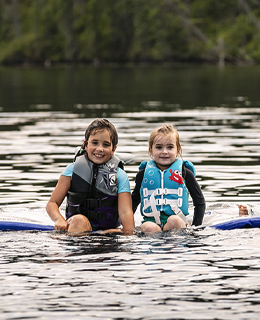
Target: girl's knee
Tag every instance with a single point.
(174, 222)
(150, 227)
(79, 223)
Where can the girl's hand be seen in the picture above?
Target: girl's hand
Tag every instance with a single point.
(61, 224)
(57, 197)
(243, 211)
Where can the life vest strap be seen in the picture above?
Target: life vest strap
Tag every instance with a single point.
(90, 214)
(96, 215)
(78, 204)
(76, 199)
(164, 202)
(154, 214)
(162, 191)
(179, 213)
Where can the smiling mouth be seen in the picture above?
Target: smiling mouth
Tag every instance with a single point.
(99, 155)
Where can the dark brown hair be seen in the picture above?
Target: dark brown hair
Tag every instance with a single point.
(100, 125)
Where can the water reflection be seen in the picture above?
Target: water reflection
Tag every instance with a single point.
(212, 272)
(82, 245)
(222, 143)
(71, 89)
(57, 275)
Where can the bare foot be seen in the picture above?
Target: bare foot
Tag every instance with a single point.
(243, 211)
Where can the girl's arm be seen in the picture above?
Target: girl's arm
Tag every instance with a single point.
(125, 212)
(136, 192)
(197, 197)
(56, 200)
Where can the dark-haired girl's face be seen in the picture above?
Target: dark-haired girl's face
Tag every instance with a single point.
(99, 147)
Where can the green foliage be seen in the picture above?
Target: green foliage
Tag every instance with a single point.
(35, 31)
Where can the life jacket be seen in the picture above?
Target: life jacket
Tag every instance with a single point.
(164, 191)
(93, 190)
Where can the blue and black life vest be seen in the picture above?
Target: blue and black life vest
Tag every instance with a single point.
(94, 191)
(164, 191)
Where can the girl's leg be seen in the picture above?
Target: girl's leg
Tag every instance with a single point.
(79, 223)
(174, 222)
(150, 227)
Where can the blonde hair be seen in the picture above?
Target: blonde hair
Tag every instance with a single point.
(165, 129)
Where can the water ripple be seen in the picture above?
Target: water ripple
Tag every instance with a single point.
(206, 274)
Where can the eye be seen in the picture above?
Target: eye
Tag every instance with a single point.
(158, 147)
(176, 171)
(107, 145)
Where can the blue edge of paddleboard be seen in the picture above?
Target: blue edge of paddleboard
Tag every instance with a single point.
(243, 223)
(17, 226)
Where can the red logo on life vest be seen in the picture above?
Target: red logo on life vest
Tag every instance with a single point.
(176, 176)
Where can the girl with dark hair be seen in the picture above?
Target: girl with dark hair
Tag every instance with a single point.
(97, 188)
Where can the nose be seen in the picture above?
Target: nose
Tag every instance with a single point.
(164, 150)
(100, 147)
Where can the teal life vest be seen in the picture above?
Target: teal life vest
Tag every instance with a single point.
(164, 191)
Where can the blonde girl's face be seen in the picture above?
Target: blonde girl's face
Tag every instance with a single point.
(99, 147)
(164, 150)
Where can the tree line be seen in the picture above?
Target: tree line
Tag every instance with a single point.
(129, 31)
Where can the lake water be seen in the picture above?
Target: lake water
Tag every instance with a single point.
(190, 274)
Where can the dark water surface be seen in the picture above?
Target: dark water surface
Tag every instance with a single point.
(191, 274)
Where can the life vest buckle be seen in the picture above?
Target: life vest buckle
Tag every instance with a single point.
(91, 203)
(180, 192)
(145, 192)
(180, 202)
(165, 202)
(158, 192)
(161, 202)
